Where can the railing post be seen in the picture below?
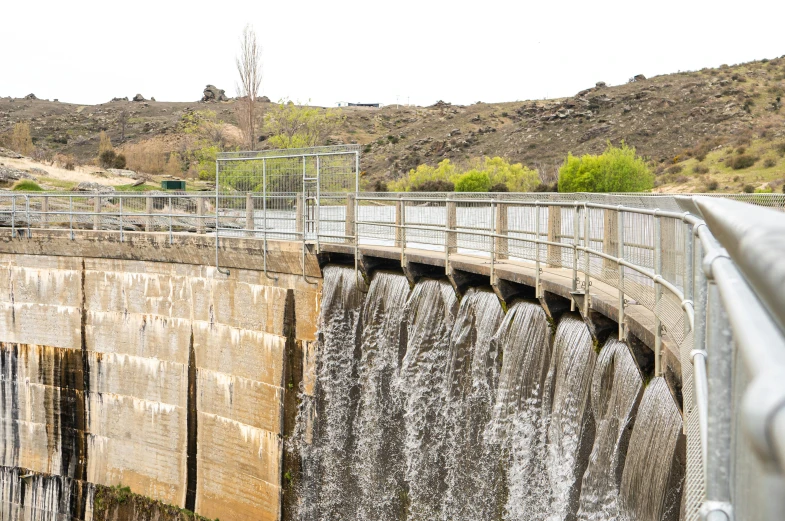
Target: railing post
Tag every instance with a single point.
(249, 214)
(537, 269)
(576, 228)
(44, 212)
(657, 295)
(350, 218)
(620, 255)
(96, 211)
(120, 202)
(610, 237)
(400, 222)
(501, 228)
(554, 235)
(451, 238)
(586, 260)
(298, 218)
(199, 215)
(148, 209)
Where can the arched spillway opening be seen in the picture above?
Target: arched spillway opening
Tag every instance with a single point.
(426, 406)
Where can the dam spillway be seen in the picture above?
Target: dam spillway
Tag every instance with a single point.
(476, 414)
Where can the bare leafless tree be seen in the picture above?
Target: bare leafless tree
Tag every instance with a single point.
(122, 119)
(249, 65)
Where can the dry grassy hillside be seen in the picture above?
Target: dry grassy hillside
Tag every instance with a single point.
(713, 115)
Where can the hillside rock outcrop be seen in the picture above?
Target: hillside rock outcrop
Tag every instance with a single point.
(213, 93)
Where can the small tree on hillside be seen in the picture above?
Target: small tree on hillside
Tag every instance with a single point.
(617, 169)
(297, 126)
(21, 141)
(106, 153)
(249, 66)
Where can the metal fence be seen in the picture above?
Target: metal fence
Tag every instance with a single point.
(688, 260)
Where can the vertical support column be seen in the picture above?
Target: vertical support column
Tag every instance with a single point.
(199, 215)
(44, 212)
(610, 237)
(400, 222)
(700, 293)
(537, 269)
(576, 229)
(148, 209)
(620, 255)
(502, 244)
(350, 218)
(249, 215)
(554, 232)
(298, 218)
(657, 296)
(586, 260)
(451, 238)
(96, 211)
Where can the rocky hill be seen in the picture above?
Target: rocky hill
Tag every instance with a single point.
(674, 120)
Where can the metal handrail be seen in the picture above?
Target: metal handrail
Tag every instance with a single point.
(730, 243)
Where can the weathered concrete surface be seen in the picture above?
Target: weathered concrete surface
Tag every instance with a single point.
(161, 376)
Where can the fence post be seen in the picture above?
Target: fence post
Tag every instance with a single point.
(398, 223)
(502, 247)
(199, 215)
(350, 218)
(554, 232)
(44, 212)
(620, 255)
(148, 209)
(298, 218)
(657, 296)
(96, 211)
(451, 240)
(610, 237)
(249, 214)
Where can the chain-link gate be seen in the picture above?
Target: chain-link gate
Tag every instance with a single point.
(298, 194)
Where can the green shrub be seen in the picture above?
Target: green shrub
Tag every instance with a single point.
(748, 189)
(107, 158)
(499, 171)
(119, 161)
(742, 161)
(770, 163)
(473, 181)
(675, 169)
(712, 185)
(618, 169)
(25, 185)
(499, 187)
(700, 169)
(437, 185)
(780, 148)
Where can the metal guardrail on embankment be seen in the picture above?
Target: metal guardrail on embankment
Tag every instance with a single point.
(710, 270)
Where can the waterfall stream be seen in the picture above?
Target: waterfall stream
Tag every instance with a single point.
(428, 408)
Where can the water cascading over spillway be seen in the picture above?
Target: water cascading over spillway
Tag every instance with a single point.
(571, 424)
(473, 483)
(654, 471)
(378, 458)
(520, 420)
(431, 409)
(430, 313)
(616, 389)
(328, 490)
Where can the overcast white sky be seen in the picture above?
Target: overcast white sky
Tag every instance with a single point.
(370, 51)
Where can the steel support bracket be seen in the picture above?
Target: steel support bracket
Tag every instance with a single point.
(716, 511)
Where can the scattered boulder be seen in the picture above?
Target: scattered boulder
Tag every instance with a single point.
(639, 77)
(264, 99)
(125, 173)
(440, 104)
(152, 98)
(138, 182)
(87, 186)
(213, 93)
(139, 97)
(600, 84)
(115, 100)
(38, 171)
(30, 96)
(593, 132)
(8, 174)
(4, 152)
(583, 93)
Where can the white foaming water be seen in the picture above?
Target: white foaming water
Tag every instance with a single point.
(430, 313)
(378, 459)
(571, 428)
(616, 390)
(653, 472)
(520, 420)
(473, 484)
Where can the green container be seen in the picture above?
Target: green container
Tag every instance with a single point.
(173, 185)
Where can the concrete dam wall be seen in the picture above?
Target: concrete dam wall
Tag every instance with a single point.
(165, 377)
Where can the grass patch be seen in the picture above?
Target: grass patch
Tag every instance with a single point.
(25, 185)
